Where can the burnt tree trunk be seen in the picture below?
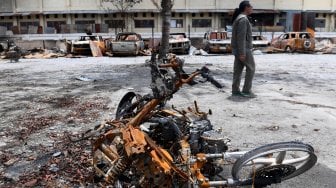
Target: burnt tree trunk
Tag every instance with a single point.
(166, 6)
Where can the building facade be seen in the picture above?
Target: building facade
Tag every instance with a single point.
(194, 16)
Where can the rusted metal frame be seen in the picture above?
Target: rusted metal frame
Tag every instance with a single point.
(136, 140)
(196, 170)
(167, 158)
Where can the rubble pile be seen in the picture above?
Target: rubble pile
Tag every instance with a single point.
(326, 46)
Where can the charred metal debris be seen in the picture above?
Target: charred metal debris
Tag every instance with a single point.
(150, 145)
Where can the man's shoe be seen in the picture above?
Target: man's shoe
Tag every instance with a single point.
(249, 94)
(237, 94)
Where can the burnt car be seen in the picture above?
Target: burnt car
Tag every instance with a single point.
(260, 41)
(87, 45)
(179, 43)
(217, 42)
(295, 41)
(127, 43)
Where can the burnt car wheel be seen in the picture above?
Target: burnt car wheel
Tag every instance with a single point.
(186, 51)
(207, 48)
(289, 49)
(307, 44)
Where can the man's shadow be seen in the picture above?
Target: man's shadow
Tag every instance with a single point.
(239, 98)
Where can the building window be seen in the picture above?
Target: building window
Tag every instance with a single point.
(54, 25)
(176, 23)
(201, 22)
(11, 17)
(181, 15)
(105, 15)
(144, 23)
(64, 15)
(114, 15)
(84, 22)
(210, 14)
(320, 23)
(135, 14)
(173, 14)
(92, 15)
(29, 16)
(84, 15)
(76, 15)
(202, 15)
(193, 14)
(8, 25)
(225, 22)
(115, 23)
(47, 16)
(144, 15)
(282, 22)
(152, 14)
(282, 15)
(29, 27)
(2, 17)
(84, 26)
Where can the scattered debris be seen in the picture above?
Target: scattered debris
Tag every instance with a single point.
(11, 161)
(146, 52)
(54, 168)
(57, 154)
(273, 128)
(307, 104)
(200, 52)
(257, 52)
(326, 46)
(95, 50)
(84, 78)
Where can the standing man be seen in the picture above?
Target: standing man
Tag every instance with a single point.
(241, 43)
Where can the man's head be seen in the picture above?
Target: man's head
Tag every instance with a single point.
(245, 7)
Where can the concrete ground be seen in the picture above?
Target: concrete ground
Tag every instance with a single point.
(43, 100)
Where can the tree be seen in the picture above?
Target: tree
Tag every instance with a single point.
(123, 6)
(166, 6)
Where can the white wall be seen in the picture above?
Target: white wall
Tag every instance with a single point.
(55, 5)
(28, 5)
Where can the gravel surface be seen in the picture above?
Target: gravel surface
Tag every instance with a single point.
(44, 100)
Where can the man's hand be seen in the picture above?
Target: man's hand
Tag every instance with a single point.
(242, 58)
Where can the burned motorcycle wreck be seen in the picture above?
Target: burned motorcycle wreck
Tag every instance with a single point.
(150, 145)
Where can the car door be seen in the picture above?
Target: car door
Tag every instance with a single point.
(284, 41)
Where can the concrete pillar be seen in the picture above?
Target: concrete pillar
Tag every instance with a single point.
(69, 19)
(289, 22)
(215, 19)
(42, 22)
(187, 21)
(332, 22)
(159, 23)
